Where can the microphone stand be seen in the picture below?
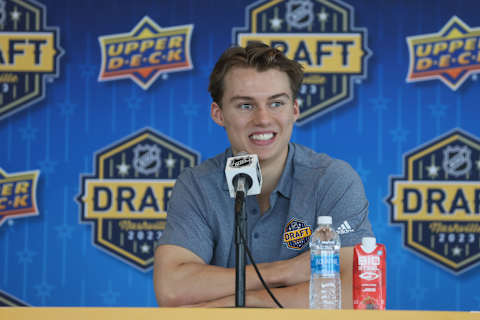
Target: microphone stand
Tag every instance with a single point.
(240, 234)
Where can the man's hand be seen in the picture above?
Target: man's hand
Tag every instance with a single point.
(289, 272)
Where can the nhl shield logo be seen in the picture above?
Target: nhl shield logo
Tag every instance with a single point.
(146, 159)
(126, 199)
(437, 201)
(299, 13)
(456, 160)
(321, 36)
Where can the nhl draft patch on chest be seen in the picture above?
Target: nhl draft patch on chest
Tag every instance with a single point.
(296, 234)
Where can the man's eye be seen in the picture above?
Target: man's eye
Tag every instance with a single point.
(246, 106)
(277, 104)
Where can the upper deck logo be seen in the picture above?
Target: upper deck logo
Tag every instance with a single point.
(127, 197)
(29, 54)
(145, 53)
(319, 35)
(438, 201)
(450, 55)
(18, 194)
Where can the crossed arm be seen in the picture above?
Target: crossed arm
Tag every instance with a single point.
(181, 278)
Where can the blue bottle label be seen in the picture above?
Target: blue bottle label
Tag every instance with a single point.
(325, 264)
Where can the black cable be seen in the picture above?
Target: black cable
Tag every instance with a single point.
(258, 272)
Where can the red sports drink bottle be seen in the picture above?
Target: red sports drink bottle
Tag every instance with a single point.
(369, 289)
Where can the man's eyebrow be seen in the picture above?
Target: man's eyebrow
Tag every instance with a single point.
(280, 95)
(247, 98)
(241, 98)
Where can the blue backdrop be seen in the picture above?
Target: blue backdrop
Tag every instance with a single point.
(50, 259)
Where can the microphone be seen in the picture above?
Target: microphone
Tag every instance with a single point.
(243, 178)
(243, 174)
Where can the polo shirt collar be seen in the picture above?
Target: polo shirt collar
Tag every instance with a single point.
(227, 154)
(284, 186)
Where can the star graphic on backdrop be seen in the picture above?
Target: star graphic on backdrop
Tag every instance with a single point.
(300, 102)
(456, 251)
(44, 289)
(170, 163)
(110, 297)
(123, 169)
(433, 170)
(88, 70)
(26, 256)
(417, 292)
(48, 166)
(145, 248)
(276, 23)
(322, 17)
(190, 109)
(133, 102)
(399, 134)
(67, 108)
(438, 110)
(380, 103)
(64, 231)
(28, 133)
(15, 15)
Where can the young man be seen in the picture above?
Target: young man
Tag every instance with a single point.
(254, 93)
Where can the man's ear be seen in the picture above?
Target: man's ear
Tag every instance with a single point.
(217, 114)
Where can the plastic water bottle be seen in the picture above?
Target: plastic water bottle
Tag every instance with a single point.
(325, 286)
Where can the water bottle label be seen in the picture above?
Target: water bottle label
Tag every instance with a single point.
(325, 264)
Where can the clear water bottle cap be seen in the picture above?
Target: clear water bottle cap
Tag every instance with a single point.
(324, 220)
(369, 243)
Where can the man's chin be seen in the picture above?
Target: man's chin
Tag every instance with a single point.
(264, 156)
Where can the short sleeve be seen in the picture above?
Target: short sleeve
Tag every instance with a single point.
(342, 196)
(187, 226)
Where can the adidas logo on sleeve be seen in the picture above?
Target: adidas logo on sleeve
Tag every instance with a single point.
(344, 228)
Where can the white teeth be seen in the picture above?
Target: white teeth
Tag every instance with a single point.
(263, 136)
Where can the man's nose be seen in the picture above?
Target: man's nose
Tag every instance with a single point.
(262, 115)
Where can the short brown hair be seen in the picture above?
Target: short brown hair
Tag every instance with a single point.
(255, 55)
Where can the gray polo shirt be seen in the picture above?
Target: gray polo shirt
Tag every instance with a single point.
(201, 213)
